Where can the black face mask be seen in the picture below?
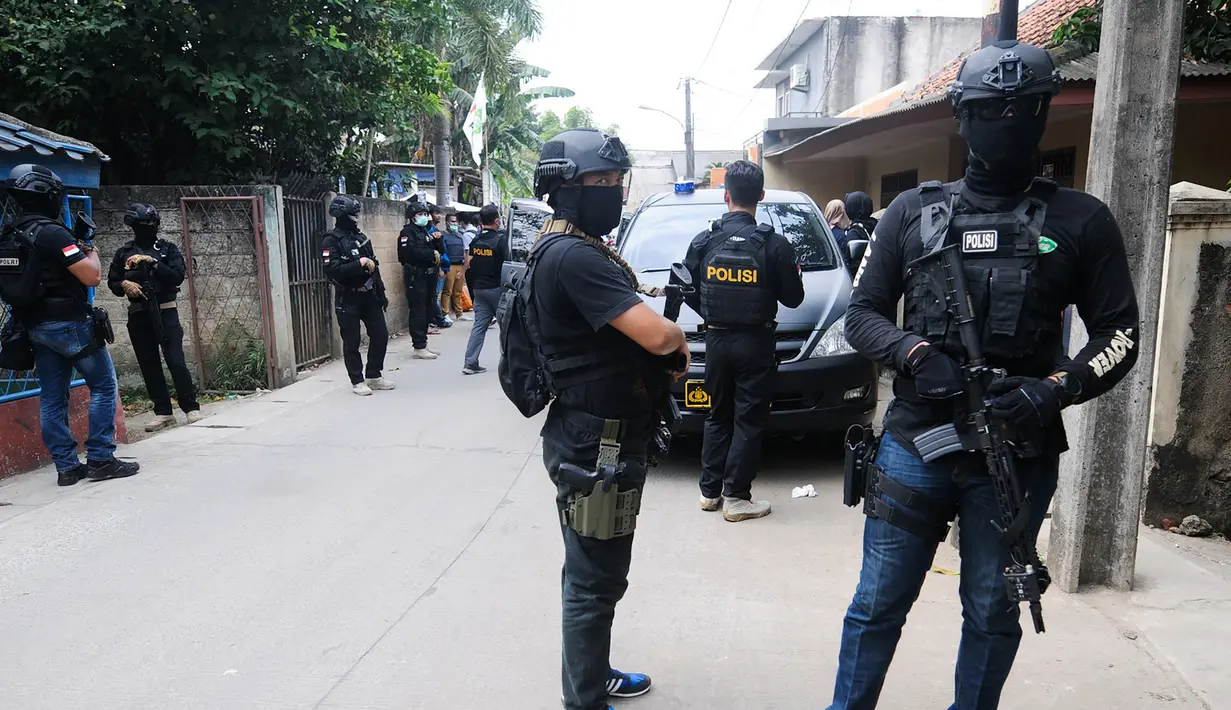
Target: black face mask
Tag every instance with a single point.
(347, 223)
(593, 209)
(1002, 150)
(145, 234)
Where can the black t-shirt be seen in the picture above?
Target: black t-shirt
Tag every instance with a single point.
(66, 298)
(1087, 268)
(488, 252)
(578, 291)
(416, 248)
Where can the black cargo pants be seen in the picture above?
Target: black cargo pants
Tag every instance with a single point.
(420, 294)
(739, 377)
(595, 573)
(364, 307)
(147, 347)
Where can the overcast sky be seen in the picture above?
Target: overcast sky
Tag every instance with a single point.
(620, 54)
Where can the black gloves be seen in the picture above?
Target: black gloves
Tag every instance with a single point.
(936, 375)
(1026, 404)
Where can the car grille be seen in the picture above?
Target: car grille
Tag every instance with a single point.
(788, 344)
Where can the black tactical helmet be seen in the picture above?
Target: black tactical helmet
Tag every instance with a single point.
(344, 206)
(574, 153)
(30, 184)
(414, 207)
(141, 214)
(1006, 69)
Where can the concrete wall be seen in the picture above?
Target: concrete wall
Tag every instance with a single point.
(1189, 461)
(820, 181)
(866, 55)
(930, 159)
(224, 268)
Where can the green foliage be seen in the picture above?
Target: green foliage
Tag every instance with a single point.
(549, 125)
(237, 362)
(181, 91)
(1207, 29)
(579, 117)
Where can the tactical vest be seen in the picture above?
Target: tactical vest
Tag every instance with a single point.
(483, 260)
(21, 270)
(455, 247)
(352, 246)
(1000, 254)
(736, 288)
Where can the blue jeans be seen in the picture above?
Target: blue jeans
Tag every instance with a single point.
(55, 344)
(896, 562)
(440, 314)
(486, 301)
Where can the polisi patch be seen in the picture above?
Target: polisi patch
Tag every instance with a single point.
(10, 261)
(983, 240)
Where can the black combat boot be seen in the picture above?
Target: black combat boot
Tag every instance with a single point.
(112, 468)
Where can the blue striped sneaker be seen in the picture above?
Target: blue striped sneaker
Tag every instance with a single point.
(627, 685)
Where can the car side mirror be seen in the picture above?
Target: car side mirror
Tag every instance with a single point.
(680, 274)
(857, 248)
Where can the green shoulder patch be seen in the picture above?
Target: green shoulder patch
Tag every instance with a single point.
(1046, 245)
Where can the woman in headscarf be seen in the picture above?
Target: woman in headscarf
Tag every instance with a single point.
(835, 217)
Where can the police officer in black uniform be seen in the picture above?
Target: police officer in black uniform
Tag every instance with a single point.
(488, 251)
(359, 295)
(420, 261)
(605, 353)
(744, 270)
(147, 262)
(1029, 249)
(45, 275)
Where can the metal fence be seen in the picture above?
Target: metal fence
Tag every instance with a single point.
(311, 302)
(19, 385)
(229, 290)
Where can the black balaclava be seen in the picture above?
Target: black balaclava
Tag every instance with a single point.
(346, 223)
(145, 234)
(858, 206)
(1002, 151)
(594, 209)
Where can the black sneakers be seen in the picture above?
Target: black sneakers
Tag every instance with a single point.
(72, 475)
(113, 468)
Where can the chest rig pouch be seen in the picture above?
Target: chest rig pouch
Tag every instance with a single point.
(735, 288)
(1000, 253)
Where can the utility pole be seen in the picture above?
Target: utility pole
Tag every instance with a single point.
(690, 166)
(1098, 503)
(999, 21)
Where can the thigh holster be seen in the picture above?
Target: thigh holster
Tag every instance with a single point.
(928, 517)
(599, 507)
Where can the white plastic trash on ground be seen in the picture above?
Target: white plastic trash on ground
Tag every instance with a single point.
(803, 492)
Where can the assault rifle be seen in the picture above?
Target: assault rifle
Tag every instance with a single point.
(669, 417)
(1026, 578)
(143, 275)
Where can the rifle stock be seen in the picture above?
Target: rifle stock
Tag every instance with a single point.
(669, 416)
(1026, 578)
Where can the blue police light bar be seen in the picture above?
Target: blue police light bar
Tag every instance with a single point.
(685, 187)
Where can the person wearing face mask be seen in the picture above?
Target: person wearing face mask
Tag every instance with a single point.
(600, 352)
(455, 248)
(744, 270)
(359, 295)
(420, 266)
(151, 269)
(1028, 250)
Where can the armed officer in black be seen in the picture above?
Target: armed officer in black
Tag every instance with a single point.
(359, 295)
(1028, 250)
(420, 261)
(488, 251)
(605, 351)
(149, 272)
(744, 270)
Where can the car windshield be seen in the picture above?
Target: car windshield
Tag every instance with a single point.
(524, 226)
(661, 234)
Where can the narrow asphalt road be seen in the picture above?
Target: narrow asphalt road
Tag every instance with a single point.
(313, 549)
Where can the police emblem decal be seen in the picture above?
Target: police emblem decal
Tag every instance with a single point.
(980, 241)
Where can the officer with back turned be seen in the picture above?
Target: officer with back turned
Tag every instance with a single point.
(485, 264)
(1028, 249)
(576, 323)
(148, 263)
(744, 270)
(350, 263)
(420, 267)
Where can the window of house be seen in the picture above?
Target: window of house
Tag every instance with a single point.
(1058, 165)
(896, 183)
(781, 100)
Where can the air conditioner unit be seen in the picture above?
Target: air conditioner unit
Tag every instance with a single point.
(799, 76)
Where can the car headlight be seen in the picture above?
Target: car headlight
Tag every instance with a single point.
(833, 342)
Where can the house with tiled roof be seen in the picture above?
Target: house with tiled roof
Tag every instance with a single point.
(915, 137)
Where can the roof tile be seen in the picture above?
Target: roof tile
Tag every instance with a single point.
(1035, 26)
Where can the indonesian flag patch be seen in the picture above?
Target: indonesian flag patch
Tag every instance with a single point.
(71, 250)
(325, 254)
